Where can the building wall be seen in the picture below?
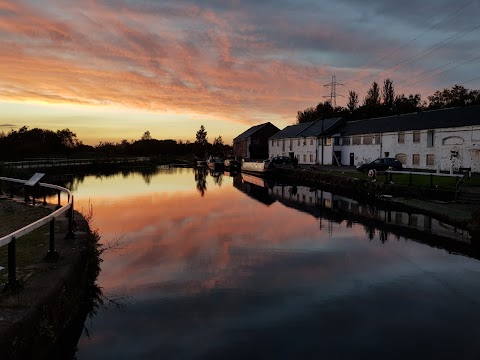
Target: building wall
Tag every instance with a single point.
(457, 147)
(240, 148)
(307, 150)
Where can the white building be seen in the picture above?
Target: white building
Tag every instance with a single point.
(310, 143)
(426, 140)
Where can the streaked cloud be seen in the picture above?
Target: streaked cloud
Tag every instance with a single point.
(240, 62)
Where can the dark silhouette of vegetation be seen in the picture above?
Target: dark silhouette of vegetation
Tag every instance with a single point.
(26, 144)
(384, 102)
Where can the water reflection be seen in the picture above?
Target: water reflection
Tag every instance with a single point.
(299, 278)
(200, 179)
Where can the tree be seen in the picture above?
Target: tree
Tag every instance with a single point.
(146, 135)
(405, 105)
(373, 96)
(309, 114)
(325, 110)
(201, 137)
(388, 94)
(456, 96)
(352, 101)
(68, 138)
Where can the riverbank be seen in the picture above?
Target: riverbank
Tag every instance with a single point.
(34, 319)
(437, 203)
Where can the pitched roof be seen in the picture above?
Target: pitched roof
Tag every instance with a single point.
(433, 119)
(312, 128)
(252, 131)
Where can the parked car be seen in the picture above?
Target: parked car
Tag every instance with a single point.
(282, 160)
(381, 164)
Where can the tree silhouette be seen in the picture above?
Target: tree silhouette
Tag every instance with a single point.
(201, 136)
(388, 94)
(352, 101)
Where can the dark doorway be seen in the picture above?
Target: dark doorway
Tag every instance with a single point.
(291, 155)
(352, 160)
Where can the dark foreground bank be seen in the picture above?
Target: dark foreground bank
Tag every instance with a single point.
(45, 318)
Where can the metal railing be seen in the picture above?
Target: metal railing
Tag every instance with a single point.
(57, 162)
(11, 239)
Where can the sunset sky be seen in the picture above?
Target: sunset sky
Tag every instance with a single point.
(112, 69)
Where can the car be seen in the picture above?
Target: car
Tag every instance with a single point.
(381, 164)
(282, 160)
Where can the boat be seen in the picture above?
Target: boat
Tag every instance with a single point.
(216, 163)
(258, 167)
(201, 163)
(232, 164)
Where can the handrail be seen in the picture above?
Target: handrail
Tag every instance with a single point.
(10, 239)
(422, 173)
(4, 240)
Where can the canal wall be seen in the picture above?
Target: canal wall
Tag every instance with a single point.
(369, 192)
(40, 316)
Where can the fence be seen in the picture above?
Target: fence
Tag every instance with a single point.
(11, 239)
(58, 162)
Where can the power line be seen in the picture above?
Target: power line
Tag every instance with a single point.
(442, 72)
(426, 51)
(410, 41)
(437, 68)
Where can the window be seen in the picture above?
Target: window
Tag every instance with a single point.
(401, 137)
(311, 141)
(377, 139)
(346, 140)
(430, 159)
(304, 158)
(367, 140)
(311, 158)
(416, 136)
(273, 142)
(356, 140)
(283, 144)
(402, 158)
(291, 140)
(336, 140)
(430, 138)
(328, 141)
(416, 159)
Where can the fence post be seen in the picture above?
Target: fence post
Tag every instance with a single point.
(12, 284)
(59, 203)
(70, 234)
(52, 255)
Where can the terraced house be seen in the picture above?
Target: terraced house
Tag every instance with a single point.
(437, 139)
(310, 143)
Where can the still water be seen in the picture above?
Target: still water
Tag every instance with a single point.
(217, 267)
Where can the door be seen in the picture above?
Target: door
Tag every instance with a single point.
(352, 159)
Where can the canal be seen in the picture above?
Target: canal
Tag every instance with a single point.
(208, 266)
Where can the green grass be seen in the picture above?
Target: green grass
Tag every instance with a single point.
(31, 248)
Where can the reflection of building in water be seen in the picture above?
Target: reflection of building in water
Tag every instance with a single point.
(254, 187)
(317, 202)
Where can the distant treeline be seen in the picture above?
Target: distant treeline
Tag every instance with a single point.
(383, 101)
(26, 143)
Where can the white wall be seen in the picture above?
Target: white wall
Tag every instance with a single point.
(463, 142)
(303, 148)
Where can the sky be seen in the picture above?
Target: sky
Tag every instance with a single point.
(112, 69)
